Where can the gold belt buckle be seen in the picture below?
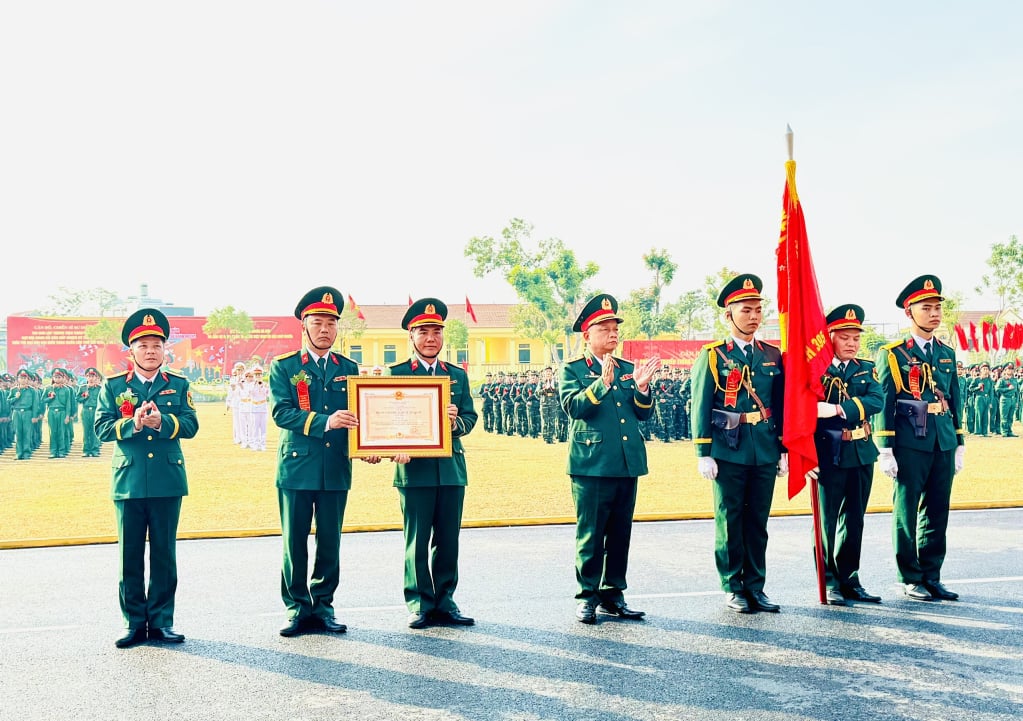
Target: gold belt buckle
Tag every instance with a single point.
(754, 418)
(858, 434)
(935, 408)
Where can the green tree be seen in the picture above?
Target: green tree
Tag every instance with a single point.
(349, 327)
(663, 268)
(76, 302)
(712, 285)
(104, 331)
(231, 325)
(693, 314)
(870, 342)
(456, 337)
(642, 317)
(548, 279)
(1005, 280)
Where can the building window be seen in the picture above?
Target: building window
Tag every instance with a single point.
(462, 356)
(524, 353)
(357, 354)
(559, 351)
(390, 354)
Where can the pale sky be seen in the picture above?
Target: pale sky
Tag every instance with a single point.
(365, 142)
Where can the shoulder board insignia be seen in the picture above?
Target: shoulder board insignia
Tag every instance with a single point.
(117, 375)
(715, 344)
(174, 372)
(892, 346)
(286, 355)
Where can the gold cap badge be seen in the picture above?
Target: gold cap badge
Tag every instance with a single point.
(328, 298)
(149, 320)
(928, 284)
(430, 309)
(850, 314)
(747, 284)
(605, 304)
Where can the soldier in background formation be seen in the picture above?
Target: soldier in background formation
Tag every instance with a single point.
(6, 429)
(26, 406)
(88, 399)
(524, 404)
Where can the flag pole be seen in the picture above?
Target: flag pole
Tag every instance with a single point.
(815, 502)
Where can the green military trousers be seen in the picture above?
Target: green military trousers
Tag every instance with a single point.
(90, 441)
(843, 499)
(604, 508)
(313, 597)
(742, 504)
(920, 501)
(432, 521)
(157, 517)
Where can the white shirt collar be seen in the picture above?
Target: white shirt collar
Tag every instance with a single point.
(921, 341)
(742, 343)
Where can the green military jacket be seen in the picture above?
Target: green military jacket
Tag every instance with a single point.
(604, 437)
(758, 443)
(88, 396)
(451, 471)
(983, 388)
(309, 457)
(1007, 388)
(147, 463)
(859, 394)
(27, 399)
(895, 371)
(60, 399)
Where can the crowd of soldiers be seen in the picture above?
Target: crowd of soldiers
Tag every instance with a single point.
(524, 404)
(25, 402)
(992, 398)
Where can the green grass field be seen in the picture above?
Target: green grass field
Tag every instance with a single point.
(511, 481)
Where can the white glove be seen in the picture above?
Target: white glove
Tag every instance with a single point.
(960, 458)
(811, 475)
(826, 410)
(708, 467)
(783, 465)
(889, 466)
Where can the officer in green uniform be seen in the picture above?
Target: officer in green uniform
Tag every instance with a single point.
(737, 410)
(88, 397)
(845, 455)
(6, 429)
(309, 396)
(921, 439)
(25, 404)
(548, 403)
(605, 397)
(488, 403)
(982, 392)
(1007, 395)
(58, 413)
(432, 490)
(147, 412)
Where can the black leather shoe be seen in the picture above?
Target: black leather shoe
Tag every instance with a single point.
(586, 612)
(759, 601)
(133, 637)
(418, 620)
(452, 618)
(917, 592)
(835, 598)
(296, 627)
(330, 624)
(738, 603)
(165, 635)
(858, 593)
(621, 610)
(938, 590)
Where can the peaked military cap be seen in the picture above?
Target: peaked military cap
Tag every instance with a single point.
(598, 309)
(90, 369)
(24, 372)
(322, 300)
(742, 287)
(425, 311)
(143, 322)
(925, 287)
(845, 317)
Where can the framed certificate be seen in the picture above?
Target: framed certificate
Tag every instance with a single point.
(400, 414)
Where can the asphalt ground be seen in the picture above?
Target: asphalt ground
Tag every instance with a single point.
(527, 658)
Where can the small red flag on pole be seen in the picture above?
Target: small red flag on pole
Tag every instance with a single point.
(355, 306)
(469, 311)
(806, 351)
(961, 337)
(410, 301)
(973, 336)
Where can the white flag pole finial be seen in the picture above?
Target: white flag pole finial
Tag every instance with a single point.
(788, 139)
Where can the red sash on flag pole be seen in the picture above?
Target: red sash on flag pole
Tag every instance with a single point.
(806, 352)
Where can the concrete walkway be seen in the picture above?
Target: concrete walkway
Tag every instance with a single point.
(527, 658)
